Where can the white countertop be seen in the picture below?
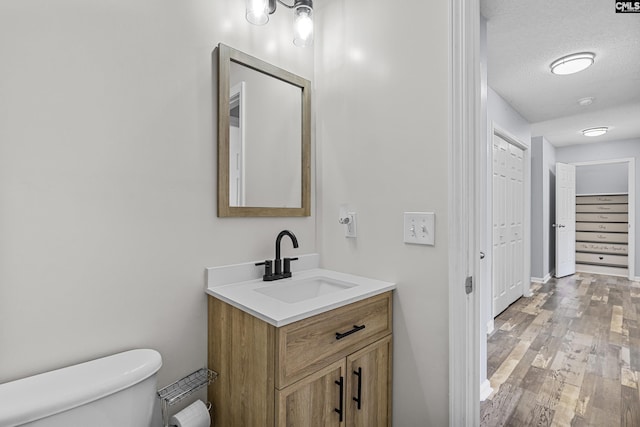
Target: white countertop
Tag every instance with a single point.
(243, 295)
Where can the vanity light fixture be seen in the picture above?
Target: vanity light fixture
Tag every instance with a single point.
(258, 12)
(572, 63)
(595, 131)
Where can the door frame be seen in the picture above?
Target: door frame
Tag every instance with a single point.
(464, 154)
(631, 187)
(526, 222)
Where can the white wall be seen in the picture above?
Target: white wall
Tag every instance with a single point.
(108, 178)
(382, 101)
(607, 151)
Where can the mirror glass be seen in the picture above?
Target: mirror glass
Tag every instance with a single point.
(263, 138)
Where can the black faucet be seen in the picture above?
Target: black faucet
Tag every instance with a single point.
(280, 272)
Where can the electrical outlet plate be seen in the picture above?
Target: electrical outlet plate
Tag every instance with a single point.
(419, 228)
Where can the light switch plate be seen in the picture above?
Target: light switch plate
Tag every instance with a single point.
(419, 228)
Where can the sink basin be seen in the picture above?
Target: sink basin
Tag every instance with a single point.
(292, 291)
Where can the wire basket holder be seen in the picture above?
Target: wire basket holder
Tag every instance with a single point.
(184, 387)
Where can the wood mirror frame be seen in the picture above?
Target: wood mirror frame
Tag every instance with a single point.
(227, 55)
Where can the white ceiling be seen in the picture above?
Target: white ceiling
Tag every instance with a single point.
(524, 37)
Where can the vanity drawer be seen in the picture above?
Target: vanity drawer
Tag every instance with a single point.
(621, 208)
(591, 236)
(607, 248)
(592, 200)
(305, 346)
(602, 217)
(604, 259)
(614, 227)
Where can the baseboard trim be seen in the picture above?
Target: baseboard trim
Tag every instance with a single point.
(542, 280)
(485, 390)
(490, 327)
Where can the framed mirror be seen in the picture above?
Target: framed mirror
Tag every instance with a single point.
(264, 138)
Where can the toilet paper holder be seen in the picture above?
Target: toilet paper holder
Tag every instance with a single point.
(184, 387)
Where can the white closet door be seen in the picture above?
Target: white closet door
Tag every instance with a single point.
(565, 219)
(508, 218)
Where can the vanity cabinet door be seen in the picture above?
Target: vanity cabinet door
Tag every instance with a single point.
(315, 401)
(369, 386)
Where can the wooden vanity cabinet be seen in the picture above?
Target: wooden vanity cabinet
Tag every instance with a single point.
(313, 372)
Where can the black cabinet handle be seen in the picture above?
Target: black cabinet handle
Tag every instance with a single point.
(358, 399)
(356, 328)
(341, 385)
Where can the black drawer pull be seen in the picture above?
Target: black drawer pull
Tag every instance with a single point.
(601, 257)
(358, 399)
(341, 385)
(356, 328)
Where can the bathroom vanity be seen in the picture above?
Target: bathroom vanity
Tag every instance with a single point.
(301, 359)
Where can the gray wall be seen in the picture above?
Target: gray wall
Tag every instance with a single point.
(543, 166)
(108, 178)
(605, 151)
(366, 84)
(500, 114)
(605, 178)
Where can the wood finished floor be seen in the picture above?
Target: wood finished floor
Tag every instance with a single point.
(567, 356)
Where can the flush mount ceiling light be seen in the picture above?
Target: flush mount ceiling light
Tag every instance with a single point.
(595, 131)
(584, 102)
(258, 12)
(572, 63)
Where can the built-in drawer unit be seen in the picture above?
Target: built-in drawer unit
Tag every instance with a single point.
(610, 227)
(305, 346)
(604, 248)
(602, 208)
(602, 230)
(602, 259)
(590, 200)
(600, 217)
(588, 236)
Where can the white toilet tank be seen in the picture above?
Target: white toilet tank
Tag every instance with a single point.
(117, 390)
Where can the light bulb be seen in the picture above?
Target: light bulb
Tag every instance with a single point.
(257, 11)
(303, 26)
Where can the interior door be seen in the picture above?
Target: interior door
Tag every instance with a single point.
(565, 219)
(508, 220)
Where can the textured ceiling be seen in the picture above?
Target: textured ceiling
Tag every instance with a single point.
(524, 37)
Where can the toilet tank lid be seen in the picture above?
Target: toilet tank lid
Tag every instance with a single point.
(32, 398)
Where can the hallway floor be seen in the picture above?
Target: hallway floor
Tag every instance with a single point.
(567, 356)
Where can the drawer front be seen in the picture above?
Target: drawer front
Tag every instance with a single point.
(612, 227)
(590, 236)
(607, 248)
(623, 208)
(305, 346)
(593, 200)
(602, 217)
(603, 259)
